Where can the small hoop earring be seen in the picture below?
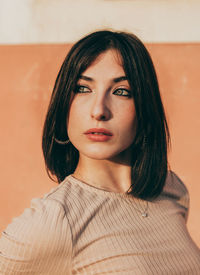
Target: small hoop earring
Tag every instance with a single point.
(65, 142)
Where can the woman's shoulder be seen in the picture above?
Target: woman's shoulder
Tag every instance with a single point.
(176, 190)
(42, 218)
(47, 209)
(175, 185)
(61, 193)
(52, 209)
(36, 235)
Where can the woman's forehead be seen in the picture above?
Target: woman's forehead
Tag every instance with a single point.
(109, 62)
(112, 53)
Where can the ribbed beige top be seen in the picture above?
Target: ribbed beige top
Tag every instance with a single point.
(79, 229)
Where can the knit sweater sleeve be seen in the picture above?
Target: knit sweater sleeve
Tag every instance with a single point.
(38, 241)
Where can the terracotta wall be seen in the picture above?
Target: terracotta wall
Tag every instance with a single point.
(27, 76)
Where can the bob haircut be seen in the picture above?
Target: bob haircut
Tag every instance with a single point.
(149, 148)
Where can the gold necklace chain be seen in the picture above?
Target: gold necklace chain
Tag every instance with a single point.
(144, 213)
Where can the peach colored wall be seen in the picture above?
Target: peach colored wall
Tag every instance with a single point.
(27, 76)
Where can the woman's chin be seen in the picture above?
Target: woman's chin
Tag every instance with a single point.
(115, 155)
(98, 154)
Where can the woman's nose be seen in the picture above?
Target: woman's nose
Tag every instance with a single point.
(100, 110)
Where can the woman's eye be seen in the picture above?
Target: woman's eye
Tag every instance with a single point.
(82, 89)
(122, 92)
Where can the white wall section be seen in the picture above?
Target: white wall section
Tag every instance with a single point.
(62, 21)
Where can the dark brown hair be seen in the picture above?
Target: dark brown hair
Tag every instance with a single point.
(149, 148)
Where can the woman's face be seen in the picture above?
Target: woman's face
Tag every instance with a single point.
(102, 118)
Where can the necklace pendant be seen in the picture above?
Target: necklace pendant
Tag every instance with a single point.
(144, 215)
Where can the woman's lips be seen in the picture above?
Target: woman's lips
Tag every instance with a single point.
(98, 134)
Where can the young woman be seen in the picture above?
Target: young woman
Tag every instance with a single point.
(118, 210)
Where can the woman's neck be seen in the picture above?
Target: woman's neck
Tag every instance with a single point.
(109, 175)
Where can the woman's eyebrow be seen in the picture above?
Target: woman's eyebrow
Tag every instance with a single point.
(119, 79)
(87, 78)
(115, 80)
